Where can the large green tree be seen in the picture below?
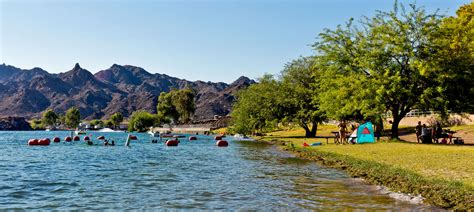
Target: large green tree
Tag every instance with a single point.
(453, 60)
(50, 118)
(256, 108)
(178, 105)
(297, 89)
(388, 56)
(73, 117)
(116, 119)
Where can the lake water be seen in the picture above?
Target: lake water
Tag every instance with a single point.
(194, 175)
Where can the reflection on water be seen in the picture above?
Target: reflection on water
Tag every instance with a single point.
(194, 175)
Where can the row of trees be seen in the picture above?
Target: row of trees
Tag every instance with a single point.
(176, 106)
(70, 119)
(392, 62)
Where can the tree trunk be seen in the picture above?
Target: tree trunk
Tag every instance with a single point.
(396, 122)
(314, 129)
(306, 129)
(309, 133)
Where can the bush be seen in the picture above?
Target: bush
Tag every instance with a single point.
(141, 121)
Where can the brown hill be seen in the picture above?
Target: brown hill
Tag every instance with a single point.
(119, 88)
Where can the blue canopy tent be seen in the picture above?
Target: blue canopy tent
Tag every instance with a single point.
(365, 133)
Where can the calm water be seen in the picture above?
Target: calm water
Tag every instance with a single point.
(194, 175)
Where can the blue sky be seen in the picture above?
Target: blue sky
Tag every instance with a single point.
(209, 40)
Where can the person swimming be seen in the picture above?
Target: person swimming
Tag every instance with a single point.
(112, 143)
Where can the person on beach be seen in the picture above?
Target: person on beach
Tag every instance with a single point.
(342, 131)
(425, 134)
(418, 132)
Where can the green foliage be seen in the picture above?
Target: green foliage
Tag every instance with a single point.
(116, 119)
(287, 100)
(298, 86)
(96, 122)
(49, 118)
(178, 105)
(381, 65)
(141, 121)
(61, 119)
(109, 123)
(256, 107)
(36, 124)
(73, 117)
(391, 63)
(453, 60)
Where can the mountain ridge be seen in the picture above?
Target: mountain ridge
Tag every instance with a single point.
(119, 88)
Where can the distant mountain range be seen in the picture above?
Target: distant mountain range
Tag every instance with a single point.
(120, 88)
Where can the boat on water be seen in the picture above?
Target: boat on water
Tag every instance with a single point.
(154, 134)
(169, 135)
(107, 130)
(239, 137)
(166, 135)
(80, 132)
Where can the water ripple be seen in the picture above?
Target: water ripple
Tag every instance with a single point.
(195, 175)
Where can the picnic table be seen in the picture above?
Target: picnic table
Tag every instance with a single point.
(335, 137)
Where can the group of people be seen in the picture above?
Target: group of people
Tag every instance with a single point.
(106, 142)
(435, 134)
(344, 136)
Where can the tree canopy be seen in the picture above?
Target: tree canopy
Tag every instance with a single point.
(73, 117)
(116, 119)
(453, 60)
(141, 121)
(256, 108)
(50, 118)
(178, 105)
(384, 65)
(381, 65)
(286, 100)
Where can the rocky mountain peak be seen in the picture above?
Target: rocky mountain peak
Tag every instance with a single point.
(77, 67)
(120, 88)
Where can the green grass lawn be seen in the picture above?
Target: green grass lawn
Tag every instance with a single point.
(448, 162)
(432, 161)
(443, 174)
